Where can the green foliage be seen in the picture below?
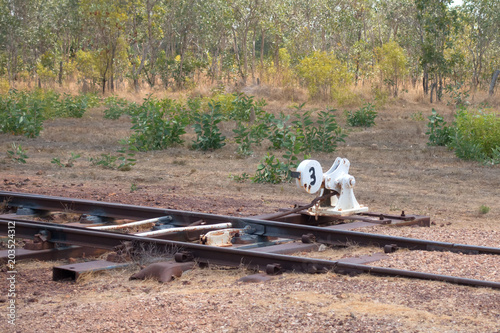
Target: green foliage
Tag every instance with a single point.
(114, 112)
(320, 135)
(484, 209)
(70, 162)
(439, 134)
(417, 116)
(72, 106)
(156, 126)
(254, 133)
(92, 100)
(477, 135)
(392, 64)
(17, 154)
(363, 117)
(240, 178)
(279, 128)
(325, 76)
(21, 113)
(244, 107)
(122, 162)
(116, 107)
(270, 170)
(208, 135)
(458, 94)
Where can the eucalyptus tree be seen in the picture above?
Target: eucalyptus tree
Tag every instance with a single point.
(482, 18)
(144, 34)
(436, 19)
(104, 22)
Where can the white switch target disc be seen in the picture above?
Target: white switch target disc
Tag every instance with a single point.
(311, 176)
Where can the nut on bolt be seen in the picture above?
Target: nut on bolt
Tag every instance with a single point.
(274, 269)
(183, 256)
(308, 238)
(390, 248)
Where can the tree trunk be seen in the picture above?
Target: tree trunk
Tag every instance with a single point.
(433, 88)
(425, 81)
(245, 57)
(493, 81)
(253, 57)
(262, 52)
(60, 72)
(237, 55)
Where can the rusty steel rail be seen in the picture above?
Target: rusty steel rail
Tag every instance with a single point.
(259, 227)
(217, 255)
(267, 228)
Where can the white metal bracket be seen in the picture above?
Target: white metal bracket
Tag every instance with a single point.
(311, 178)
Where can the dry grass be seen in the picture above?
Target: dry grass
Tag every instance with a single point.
(394, 168)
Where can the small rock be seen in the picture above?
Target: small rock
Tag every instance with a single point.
(322, 248)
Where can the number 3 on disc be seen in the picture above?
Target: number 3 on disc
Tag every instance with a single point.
(311, 176)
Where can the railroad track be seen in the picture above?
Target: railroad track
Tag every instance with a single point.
(261, 254)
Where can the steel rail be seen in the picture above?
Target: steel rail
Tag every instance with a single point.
(322, 235)
(217, 255)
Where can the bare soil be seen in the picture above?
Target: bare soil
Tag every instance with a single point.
(395, 170)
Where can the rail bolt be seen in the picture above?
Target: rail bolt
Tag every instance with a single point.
(274, 269)
(390, 248)
(308, 238)
(183, 256)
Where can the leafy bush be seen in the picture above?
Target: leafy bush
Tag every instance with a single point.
(114, 112)
(116, 107)
(244, 106)
(325, 76)
(20, 114)
(122, 162)
(477, 135)
(279, 127)
(68, 164)
(363, 117)
(458, 94)
(72, 106)
(155, 129)
(320, 135)
(439, 134)
(208, 135)
(272, 170)
(17, 154)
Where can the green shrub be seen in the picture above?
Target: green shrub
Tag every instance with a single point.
(272, 170)
(320, 135)
(72, 106)
(115, 107)
(21, 114)
(70, 162)
(122, 162)
(363, 117)
(439, 134)
(480, 130)
(208, 135)
(114, 112)
(325, 76)
(17, 154)
(475, 135)
(484, 209)
(154, 128)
